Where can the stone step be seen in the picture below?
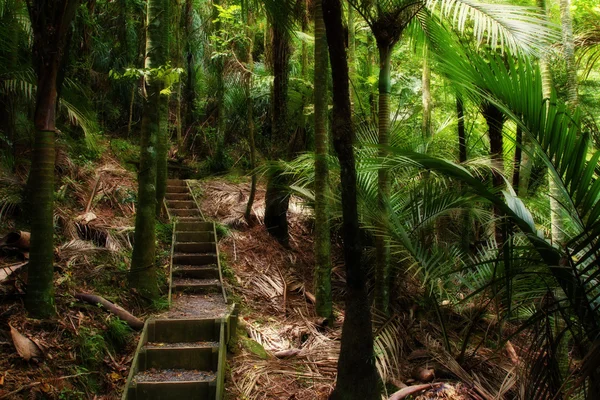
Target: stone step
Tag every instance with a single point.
(177, 189)
(176, 182)
(194, 258)
(195, 272)
(195, 286)
(173, 390)
(195, 247)
(194, 236)
(179, 204)
(183, 330)
(195, 226)
(178, 196)
(200, 356)
(185, 213)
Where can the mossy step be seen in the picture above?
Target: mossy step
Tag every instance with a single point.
(193, 356)
(195, 226)
(183, 330)
(194, 258)
(177, 189)
(175, 390)
(194, 236)
(195, 247)
(175, 182)
(178, 196)
(193, 271)
(181, 204)
(185, 212)
(195, 286)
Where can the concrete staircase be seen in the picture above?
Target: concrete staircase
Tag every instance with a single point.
(181, 354)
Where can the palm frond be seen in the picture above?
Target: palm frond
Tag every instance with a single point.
(501, 26)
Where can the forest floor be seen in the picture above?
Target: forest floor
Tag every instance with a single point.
(284, 350)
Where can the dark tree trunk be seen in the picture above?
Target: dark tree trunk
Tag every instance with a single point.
(517, 161)
(462, 138)
(357, 375)
(51, 22)
(495, 121)
(277, 196)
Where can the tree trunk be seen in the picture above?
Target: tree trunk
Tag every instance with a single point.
(352, 57)
(462, 138)
(426, 80)
(369, 72)
(142, 275)
(50, 21)
(250, 116)
(189, 92)
(495, 121)
(277, 196)
(382, 245)
(162, 141)
(357, 375)
(569, 51)
(322, 233)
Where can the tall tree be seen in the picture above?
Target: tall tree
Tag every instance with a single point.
(142, 275)
(569, 51)
(322, 233)
(162, 141)
(50, 21)
(277, 196)
(357, 375)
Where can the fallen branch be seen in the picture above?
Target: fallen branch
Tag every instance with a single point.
(287, 353)
(410, 390)
(34, 384)
(131, 320)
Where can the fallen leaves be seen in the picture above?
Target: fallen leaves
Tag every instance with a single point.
(26, 347)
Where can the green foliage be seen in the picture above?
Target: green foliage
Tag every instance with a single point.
(118, 333)
(91, 346)
(222, 230)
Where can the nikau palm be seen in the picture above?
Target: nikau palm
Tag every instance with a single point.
(514, 27)
(51, 22)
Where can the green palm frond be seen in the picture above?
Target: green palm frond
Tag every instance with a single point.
(73, 100)
(501, 26)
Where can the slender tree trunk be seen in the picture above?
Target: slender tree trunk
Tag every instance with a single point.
(495, 121)
(50, 21)
(352, 57)
(517, 159)
(162, 141)
(369, 71)
(426, 81)
(277, 196)
(382, 245)
(322, 232)
(462, 138)
(357, 375)
(569, 51)
(250, 116)
(142, 275)
(462, 158)
(189, 92)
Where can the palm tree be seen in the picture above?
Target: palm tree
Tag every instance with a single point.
(512, 26)
(142, 275)
(322, 234)
(50, 21)
(357, 376)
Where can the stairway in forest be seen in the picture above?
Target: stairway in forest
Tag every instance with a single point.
(181, 354)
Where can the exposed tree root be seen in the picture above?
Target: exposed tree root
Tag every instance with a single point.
(131, 320)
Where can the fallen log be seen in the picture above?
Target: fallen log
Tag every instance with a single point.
(126, 316)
